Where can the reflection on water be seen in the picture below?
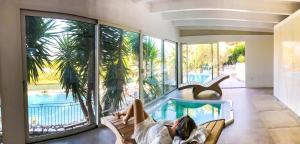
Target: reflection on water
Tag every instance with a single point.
(200, 112)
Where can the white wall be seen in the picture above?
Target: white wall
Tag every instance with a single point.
(121, 12)
(137, 16)
(287, 62)
(259, 55)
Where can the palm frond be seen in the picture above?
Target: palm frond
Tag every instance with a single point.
(38, 40)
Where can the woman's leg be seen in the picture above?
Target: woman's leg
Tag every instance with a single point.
(136, 110)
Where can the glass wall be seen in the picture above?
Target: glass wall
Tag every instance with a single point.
(197, 63)
(60, 71)
(232, 63)
(153, 65)
(203, 62)
(215, 60)
(184, 57)
(170, 66)
(119, 67)
(60, 74)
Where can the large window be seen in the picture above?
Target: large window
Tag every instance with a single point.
(203, 62)
(170, 66)
(184, 62)
(197, 63)
(61, 67)
(153, 65)
(60, 75)
(232, 62)
(119, 67)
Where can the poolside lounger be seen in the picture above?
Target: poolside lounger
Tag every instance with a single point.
(215, 128)
(212, 85)
(123, 132)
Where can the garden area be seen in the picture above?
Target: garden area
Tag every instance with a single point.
(203, 62)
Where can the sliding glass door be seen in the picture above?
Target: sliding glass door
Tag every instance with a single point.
(197, 63)
(215, 60)
(59, 57)
(153, 65)
(170, 66)
(203, 62)
(119, 67)
(232, 62)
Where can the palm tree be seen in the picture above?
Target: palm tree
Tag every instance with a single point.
(38, 37)
(114, 71)
(79, 46)
(117, 46)
(70, 77)
(75, 57)
(150, 83)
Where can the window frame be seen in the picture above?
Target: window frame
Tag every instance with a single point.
(144, 70)
(55, 15)
(139, 58)
(97, 104)
(176, 65)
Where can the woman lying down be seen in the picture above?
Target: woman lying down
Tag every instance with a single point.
(147, 131)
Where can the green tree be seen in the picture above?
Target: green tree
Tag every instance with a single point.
(77, 64)
(70, 77)
(84, 35)
(74, 59)
(151, 87)
(117, 48)
(236, 54)
(199, 57)
(38, 37)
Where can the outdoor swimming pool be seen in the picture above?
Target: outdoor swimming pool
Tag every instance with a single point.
(199, 77)
(49, 98)
(200, 111)
(53, 108)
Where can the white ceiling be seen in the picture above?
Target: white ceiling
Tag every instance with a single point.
(238, 15)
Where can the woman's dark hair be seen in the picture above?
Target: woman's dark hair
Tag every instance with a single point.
(185, 126)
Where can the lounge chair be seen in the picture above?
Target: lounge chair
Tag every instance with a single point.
(123, 132)
(215, 129)
(212, 85)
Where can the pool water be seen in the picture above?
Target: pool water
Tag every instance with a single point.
(200, 111)
(49, 98)
(53, 108)
(200, 78)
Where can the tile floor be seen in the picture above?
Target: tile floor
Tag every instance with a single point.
(259, 118)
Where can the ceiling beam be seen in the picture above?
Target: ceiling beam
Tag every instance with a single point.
(222, 15)
(224, 28)
(288, 0)
(220, 32)
(224, 23)
(248, 6)
(144, 1)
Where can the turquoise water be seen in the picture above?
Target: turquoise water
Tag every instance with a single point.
(200, 78)
(49, 98)
(57, 109)
(201, 112)
(53, 109)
